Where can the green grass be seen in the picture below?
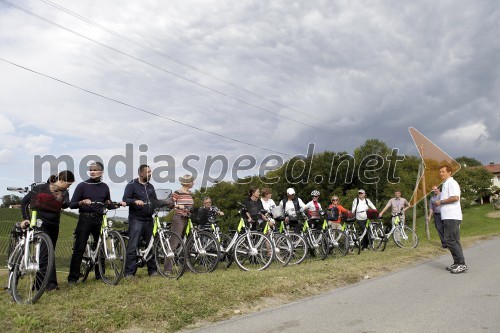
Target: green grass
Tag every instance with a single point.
(157, 304)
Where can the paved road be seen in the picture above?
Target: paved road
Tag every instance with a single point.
(425, 298)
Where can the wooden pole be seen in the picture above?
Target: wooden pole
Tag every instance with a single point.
(415, 198)
(424, 191)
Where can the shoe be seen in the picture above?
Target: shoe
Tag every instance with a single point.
(129, 277)
(155, 273)
(459, 269)
(72, 282)
(449, 268)
(51, 288)
(365, 249)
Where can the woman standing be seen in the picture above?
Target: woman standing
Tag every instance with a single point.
(254, 207)
(48, 200)
(183, 204)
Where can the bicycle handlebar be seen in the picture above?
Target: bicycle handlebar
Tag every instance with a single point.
(18, 189)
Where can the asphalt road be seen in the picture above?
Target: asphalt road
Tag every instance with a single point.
(425, 298)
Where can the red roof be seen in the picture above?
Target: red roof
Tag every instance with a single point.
(493, 168)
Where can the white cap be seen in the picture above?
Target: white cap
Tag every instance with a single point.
(361, 191)
(290, 191)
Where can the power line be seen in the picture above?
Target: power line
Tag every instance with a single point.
(164, 55)
(143, 110)
(155, 66)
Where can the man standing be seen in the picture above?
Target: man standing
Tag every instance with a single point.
(292, 207)
(140, 196)
(436, 212)
(398, 206)
(451, 214)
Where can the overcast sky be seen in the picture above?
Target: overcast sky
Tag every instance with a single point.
(274, 74)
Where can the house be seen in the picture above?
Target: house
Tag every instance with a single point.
(494, 169)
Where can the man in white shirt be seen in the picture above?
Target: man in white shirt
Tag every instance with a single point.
(292, 206)
(359, 207)
(451, 215)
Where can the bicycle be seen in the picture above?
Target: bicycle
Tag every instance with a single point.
(300, 248)
(251, 250)
(337, 243)
(108, 253)
(349, 228)
(316, 240)
(30, 260)
(165, 246)
(283, 246)
(202, 247)
(374, 231)
(403, 236)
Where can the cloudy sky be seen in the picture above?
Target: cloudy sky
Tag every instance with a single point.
(217, 77)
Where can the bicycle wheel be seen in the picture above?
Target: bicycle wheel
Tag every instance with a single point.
(202, 256)
(405, 237)
(85, 267)
(170, 255)
(338, 246)
(225, 253)
(376, 238)
(111, 262)
(299, 248)
(354, 243)
(283, 249)
(318, 245)
(29, 281)
(253, 251)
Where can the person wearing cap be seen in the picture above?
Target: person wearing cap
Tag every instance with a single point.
(140, 197)
(90, 216)
(335, 205)
(359, 207)
(398, 205)
(292, 206)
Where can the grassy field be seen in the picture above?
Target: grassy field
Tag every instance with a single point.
(156, 304)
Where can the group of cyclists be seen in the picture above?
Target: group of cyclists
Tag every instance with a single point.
(139, 195)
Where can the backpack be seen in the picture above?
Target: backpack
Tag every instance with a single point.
(368, 211)
(332, 214)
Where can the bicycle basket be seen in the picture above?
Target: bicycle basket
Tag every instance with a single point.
(348, 217)
(372, 214)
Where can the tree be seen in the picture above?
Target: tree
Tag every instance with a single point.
(475, 183)
(10, 199)
(468, 161)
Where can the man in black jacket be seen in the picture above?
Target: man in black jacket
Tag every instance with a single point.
(141, 198)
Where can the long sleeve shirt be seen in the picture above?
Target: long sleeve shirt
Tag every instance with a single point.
(48, 204)
(91, 189)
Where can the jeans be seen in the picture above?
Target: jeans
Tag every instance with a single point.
(85, 227)
(138, 229)
(440, 228)
(452, 239)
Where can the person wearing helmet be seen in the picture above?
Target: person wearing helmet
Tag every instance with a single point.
(292, 206)
(313, 209)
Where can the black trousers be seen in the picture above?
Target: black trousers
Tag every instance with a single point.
(52, 230)
(86, 226)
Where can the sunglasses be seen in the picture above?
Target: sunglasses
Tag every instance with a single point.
(335, 199)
